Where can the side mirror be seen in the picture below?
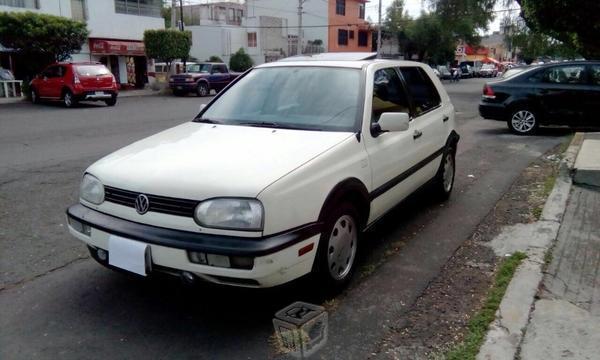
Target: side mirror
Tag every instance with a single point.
(202, 106)
(391, 122)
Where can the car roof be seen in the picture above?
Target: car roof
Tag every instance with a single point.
(78, 63)
(347, 60)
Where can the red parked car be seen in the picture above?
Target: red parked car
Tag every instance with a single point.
(74, 82)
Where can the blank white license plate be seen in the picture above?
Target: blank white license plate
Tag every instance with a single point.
(99, 92)
(129, 255)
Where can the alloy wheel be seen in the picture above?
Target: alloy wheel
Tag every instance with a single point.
(523, 121)
(68, 99)
(342, 247)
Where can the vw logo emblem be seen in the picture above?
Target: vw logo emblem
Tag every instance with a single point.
(142, 204)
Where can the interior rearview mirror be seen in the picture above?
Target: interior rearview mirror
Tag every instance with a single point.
(391, 122)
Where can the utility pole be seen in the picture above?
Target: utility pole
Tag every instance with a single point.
(173, 14)
(300, 3)
(379, 32)
(181, 15)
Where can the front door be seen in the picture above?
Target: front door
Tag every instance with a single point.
(391, 154)
(592, 96)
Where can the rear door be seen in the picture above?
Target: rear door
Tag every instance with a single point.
(57, 82)
(46, 82)
(428, 118)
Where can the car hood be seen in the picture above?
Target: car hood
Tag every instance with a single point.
(199, 161)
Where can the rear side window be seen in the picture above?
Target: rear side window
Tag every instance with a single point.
(595, 74)
(219, 69)
(424, 94)
(574, 74)
(92, 70)
(388, 94)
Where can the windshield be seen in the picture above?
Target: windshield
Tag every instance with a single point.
(488, 67)
(310, 98)
(198, 68)
(92, 70)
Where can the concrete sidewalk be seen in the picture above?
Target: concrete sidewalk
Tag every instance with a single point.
(551, 309)
(122, 94)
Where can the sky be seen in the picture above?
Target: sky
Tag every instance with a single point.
(414, 8)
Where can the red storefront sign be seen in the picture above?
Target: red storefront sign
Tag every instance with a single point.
(117, 47)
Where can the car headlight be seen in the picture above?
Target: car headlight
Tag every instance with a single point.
(91, 190)
(230, 213)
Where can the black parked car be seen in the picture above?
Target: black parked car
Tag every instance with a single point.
(565, 93)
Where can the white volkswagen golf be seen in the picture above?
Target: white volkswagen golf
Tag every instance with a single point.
(276, 177)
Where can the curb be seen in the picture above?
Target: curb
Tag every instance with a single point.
(506, 331)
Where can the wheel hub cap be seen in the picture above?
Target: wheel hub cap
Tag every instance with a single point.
(523, 121)
(342, 247)
(448, 172)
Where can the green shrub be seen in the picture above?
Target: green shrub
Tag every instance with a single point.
(240, 61)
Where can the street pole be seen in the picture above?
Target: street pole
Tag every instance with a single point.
(379, 33)
(300, 3)
(173, 14)
(181, 14)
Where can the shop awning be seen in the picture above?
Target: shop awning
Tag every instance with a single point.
(490, 60)
(117, 47)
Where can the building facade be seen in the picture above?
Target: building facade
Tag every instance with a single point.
(116, 31)
(348, 30)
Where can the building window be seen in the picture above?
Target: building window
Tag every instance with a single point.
(78, 10)
(139, 7)
(363, 38)
(252, 39)
(342, 37)
(28, 4)
(361, 11)
(351, 34)
(340, 7)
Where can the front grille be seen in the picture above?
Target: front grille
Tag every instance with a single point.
(159, 204)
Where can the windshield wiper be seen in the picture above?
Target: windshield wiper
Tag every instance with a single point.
(206, 121)
(269, 124)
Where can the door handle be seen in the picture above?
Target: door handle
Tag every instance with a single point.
(446, 118)
(417, 134)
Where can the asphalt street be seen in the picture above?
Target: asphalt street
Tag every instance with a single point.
(55, 302)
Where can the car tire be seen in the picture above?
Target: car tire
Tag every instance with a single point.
(202, 89)
(35, 98)
(69, 100)
(444, 180)
(335, 262)
(112, 101)
(523, 121)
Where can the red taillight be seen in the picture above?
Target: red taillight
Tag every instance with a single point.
(76, 78)
(488, 92)
(114, 80)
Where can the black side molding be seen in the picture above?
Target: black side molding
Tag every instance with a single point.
(186, 240)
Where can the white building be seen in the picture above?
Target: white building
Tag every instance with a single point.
(266, 29)
(274, 25)
(217, 29)
(116, 30)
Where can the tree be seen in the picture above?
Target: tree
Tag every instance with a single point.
(395, 19)
(215, 59)
(573, 22)
(40, 39)
(167, 45)
(428, 38)
(464, 19)
(240, 61)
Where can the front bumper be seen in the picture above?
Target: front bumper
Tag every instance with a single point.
(493, 111)
(183, 86)
(276, 257)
